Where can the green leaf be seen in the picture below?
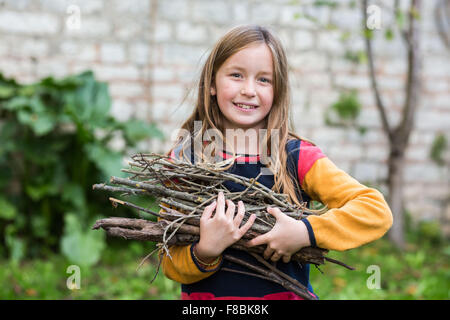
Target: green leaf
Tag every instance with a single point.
(7, 210)
(6, 92)
(325, 3)
(39, 191)
(108, 161)
(400, 19)
(136, 130)
(368, 34)
(41, 123)
(389, 34)
(15, 244)
(74, 194)
(348, 106)
(79, 244)
(17, 103)
(438, 148)
(40, 225)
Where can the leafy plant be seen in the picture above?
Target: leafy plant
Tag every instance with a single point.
(345, 111)
(437, 149)
(55, 137)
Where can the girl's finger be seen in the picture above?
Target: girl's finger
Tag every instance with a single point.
(240, 214)
(275, 257)
(220, 209)
(286, 259)
(231, 208)
(208, 211)
(262, 239)
(268, 253)
(247, 225)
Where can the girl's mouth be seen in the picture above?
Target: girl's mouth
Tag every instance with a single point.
(244, 107)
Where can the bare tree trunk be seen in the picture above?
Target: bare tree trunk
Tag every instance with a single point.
(395, 199)
(399, 137)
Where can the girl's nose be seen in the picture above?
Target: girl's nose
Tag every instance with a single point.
(248, 89)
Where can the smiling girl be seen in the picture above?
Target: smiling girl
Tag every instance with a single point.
(244, 88)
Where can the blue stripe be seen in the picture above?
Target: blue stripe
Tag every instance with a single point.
(312, 237)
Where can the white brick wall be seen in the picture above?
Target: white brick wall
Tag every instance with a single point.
(151, 53)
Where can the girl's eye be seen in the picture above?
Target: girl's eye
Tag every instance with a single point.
(265, 80)
(235, 75)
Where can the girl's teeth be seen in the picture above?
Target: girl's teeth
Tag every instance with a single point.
(243, 106)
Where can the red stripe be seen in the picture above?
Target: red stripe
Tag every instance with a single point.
(253, 159)
(308, 155)
(273, 296)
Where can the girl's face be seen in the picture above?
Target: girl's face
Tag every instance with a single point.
(243, 85)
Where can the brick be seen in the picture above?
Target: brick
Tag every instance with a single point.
(330, 42)
(81, 51)
(31, 48)
(112, 52)
(212, 11)
(139, 53)
(293, 15)
(421, 173)
(117, 142)
(346, 18)
(134, 7)
(61, 6)
(432, 121)
(303, 40)
(190, 33)
(174, 10)
(51, 67)
(308, 61)
(107, 72)
(264, 12)
(121, 110)
(175, 53)
(366, 171)
(353, 81)
(163, 73)
(127, 89)
(167, 91)
(240, 11)
(90, 27)
(163, 32)
(29, 23)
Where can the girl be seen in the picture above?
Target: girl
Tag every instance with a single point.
(244, 87)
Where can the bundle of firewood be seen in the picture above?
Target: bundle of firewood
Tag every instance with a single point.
(184, 190)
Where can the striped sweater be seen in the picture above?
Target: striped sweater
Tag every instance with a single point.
(357, 215)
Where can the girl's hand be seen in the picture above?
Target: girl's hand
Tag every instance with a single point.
(222, 230)
(286, 237)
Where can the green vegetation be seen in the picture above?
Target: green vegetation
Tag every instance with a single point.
(421, 272)
(56, 142)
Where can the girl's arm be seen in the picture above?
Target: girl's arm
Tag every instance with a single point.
(183, 268)
(357, 214)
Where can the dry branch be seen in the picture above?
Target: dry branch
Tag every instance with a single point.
(184, 190)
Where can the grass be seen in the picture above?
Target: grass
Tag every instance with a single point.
(420, 272)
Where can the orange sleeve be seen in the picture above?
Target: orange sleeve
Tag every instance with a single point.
(182, 268)
(357, 214)
(181, 265)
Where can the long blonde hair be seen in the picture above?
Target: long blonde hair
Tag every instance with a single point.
(207, 110)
